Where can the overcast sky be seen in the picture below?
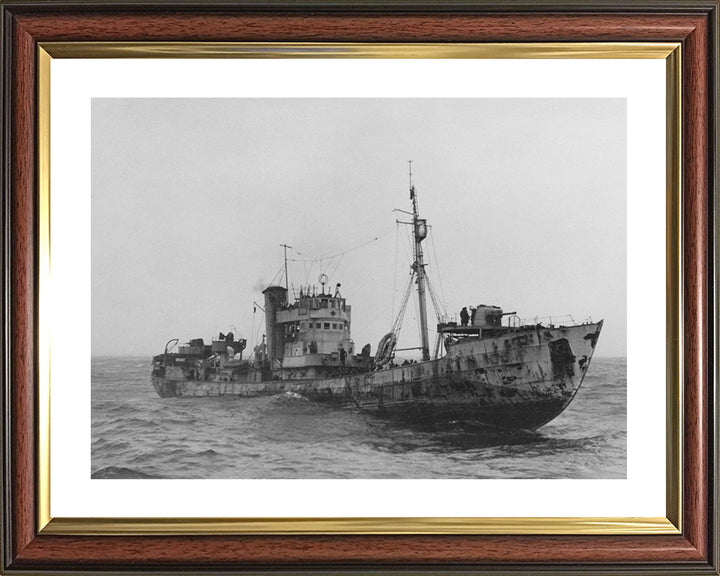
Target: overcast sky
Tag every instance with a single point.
(191, 199)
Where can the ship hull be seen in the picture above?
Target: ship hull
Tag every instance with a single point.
(518, 380)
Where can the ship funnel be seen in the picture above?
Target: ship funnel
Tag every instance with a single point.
(275, 299)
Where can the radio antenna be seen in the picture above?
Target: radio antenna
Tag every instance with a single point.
(285, 247)
(412, 188)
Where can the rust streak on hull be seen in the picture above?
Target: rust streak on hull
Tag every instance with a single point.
(518, 380)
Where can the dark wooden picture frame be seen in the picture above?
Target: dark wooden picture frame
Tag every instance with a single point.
(27, 24)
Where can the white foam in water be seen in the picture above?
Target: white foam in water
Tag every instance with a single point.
(233, 437)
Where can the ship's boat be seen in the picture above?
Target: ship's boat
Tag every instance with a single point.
(489, 369)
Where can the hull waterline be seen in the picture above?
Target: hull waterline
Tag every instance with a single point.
(517, 380)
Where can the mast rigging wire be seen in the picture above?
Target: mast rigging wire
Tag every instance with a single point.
(279, 272)
(439, 312)
(443, 300)
(330, 256)
(397, 324)
(397, 234)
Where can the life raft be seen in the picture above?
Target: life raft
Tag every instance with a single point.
(385, 349)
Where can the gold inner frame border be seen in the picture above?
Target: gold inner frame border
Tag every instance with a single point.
(670, 524)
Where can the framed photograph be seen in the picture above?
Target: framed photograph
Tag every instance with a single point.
(338, 287)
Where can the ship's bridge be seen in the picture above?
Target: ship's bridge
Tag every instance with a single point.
(316, 323)
(310, 337)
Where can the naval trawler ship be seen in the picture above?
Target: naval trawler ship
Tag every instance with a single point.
(489, 369)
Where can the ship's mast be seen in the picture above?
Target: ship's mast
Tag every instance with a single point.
(419, 234)
(287, 285)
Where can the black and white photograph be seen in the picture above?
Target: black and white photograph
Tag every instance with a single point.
(359, 288)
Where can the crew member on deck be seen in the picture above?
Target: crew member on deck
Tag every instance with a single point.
(464, 316)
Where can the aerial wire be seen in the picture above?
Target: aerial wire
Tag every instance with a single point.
(331, 255)
(336, 266)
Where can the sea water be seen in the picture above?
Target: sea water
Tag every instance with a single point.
(137, 434)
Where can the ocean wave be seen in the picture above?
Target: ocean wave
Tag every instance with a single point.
(120, 472)
(288, 436)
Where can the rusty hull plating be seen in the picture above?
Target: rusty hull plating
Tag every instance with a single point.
(519, 379)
